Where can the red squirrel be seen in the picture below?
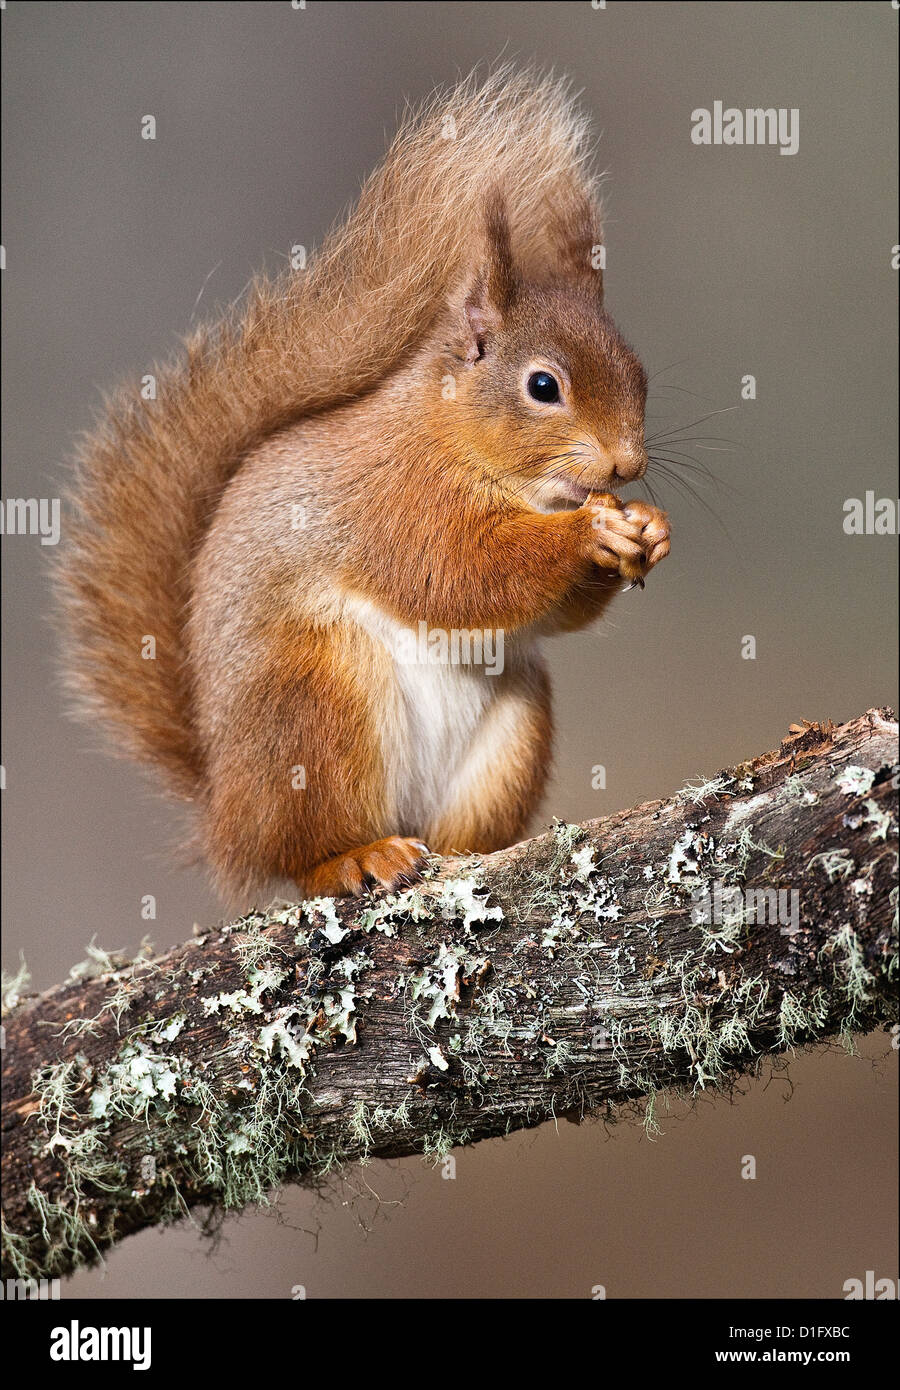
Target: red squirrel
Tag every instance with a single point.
(423, 430)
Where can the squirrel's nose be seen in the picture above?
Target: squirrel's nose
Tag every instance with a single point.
(630, 464)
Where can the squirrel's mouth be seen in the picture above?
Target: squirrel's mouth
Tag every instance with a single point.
(573, 492)
(567, 493)
(562, 494)
(558, 495)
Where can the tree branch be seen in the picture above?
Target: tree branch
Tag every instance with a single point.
(673, 945)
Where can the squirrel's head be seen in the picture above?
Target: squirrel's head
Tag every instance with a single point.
(554, 395)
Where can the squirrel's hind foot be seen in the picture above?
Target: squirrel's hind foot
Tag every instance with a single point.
(393, 863)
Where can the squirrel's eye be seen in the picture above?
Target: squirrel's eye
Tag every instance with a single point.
(543, 387)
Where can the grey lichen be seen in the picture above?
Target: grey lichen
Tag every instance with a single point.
(702, 789)
(14, 986)
(835, 863)
(434, 990)
(855, 781)
(845, 952)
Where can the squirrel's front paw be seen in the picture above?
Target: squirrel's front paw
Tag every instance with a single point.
(630, 537)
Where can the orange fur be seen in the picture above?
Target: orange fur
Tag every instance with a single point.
(354, 452)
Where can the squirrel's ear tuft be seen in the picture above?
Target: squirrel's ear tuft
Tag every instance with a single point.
(576, 240)
(494, 288)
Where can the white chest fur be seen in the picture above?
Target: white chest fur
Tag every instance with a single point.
(438, 700)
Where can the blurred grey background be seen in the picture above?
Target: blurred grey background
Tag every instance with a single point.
(722, 262)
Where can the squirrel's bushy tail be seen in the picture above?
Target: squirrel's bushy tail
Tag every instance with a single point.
(152, 473)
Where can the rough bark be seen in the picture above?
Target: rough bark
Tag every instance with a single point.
(570, 974)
